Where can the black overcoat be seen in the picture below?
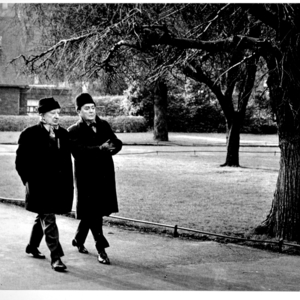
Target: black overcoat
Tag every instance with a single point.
(45, 168)
(94, 169)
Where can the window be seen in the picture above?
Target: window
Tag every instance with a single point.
(32, 106)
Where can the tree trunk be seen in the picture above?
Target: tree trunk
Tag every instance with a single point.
(233, 143)
(160, 112)
(283, 221)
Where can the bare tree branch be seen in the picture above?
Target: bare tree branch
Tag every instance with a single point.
(261, 13)
(235, 65)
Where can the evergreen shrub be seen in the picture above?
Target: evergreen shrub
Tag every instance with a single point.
(118, 124)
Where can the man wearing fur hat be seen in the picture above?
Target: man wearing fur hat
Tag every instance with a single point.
(93, 143)
(43, 161)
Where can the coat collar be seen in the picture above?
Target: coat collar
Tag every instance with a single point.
(45, 131)
(42, 127)
(81, 122)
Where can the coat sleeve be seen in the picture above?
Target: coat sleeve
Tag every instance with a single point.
(80, 148)
(113, 140)
(117, 144)
(23, 156)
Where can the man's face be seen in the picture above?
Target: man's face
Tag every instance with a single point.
(52, 117)
(88, 112)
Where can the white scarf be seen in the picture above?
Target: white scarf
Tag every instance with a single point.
(50, 128)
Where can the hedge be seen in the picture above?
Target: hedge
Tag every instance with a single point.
(118, 124)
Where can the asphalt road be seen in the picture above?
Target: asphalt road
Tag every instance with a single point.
(139, 262)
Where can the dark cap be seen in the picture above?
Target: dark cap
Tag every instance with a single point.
(83, 99)
(47, 104)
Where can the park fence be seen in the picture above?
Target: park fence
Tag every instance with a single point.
(175, 228)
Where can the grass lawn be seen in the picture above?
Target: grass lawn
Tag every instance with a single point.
(183, 185)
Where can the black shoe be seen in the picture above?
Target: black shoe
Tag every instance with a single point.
(34, 252)
(103, 258)
(58, 265)
(81, 248)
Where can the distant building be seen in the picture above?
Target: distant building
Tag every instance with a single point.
(19, 94)
(23, 99)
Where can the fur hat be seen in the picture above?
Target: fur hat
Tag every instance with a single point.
(47, 104)
(83, 99)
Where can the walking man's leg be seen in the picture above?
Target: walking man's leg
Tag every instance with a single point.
(101, 242)
(81, 235)
(35, 239)
(52, 240)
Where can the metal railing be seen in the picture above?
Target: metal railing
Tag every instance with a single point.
(280, 243)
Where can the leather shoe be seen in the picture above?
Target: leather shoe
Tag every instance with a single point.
(34, 252)
(103, 258)
(80, 248)
(58, 265)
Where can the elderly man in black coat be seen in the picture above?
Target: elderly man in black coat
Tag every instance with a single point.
(92, 144)
(43, 161)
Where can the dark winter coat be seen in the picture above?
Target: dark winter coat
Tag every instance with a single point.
(45, 168)
(94, 169)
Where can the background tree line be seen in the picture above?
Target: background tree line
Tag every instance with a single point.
(192, 107)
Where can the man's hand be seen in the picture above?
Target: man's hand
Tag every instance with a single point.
(107, 147)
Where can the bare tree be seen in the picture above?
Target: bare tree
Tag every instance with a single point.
(93, 50)
(278, 44)
(131, 37)
(226, 40)
(281, 52)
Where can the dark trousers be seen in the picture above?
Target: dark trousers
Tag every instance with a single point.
(95, 225)
(45, 224)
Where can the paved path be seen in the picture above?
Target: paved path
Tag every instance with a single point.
(8, 149)
(220, 140)
(139, 262)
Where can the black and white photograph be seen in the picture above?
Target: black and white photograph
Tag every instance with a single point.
(149, 147)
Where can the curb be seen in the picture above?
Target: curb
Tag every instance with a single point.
(124, 223)
(72, 214)
(21, 203)
(16, 202)
(120, 222)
